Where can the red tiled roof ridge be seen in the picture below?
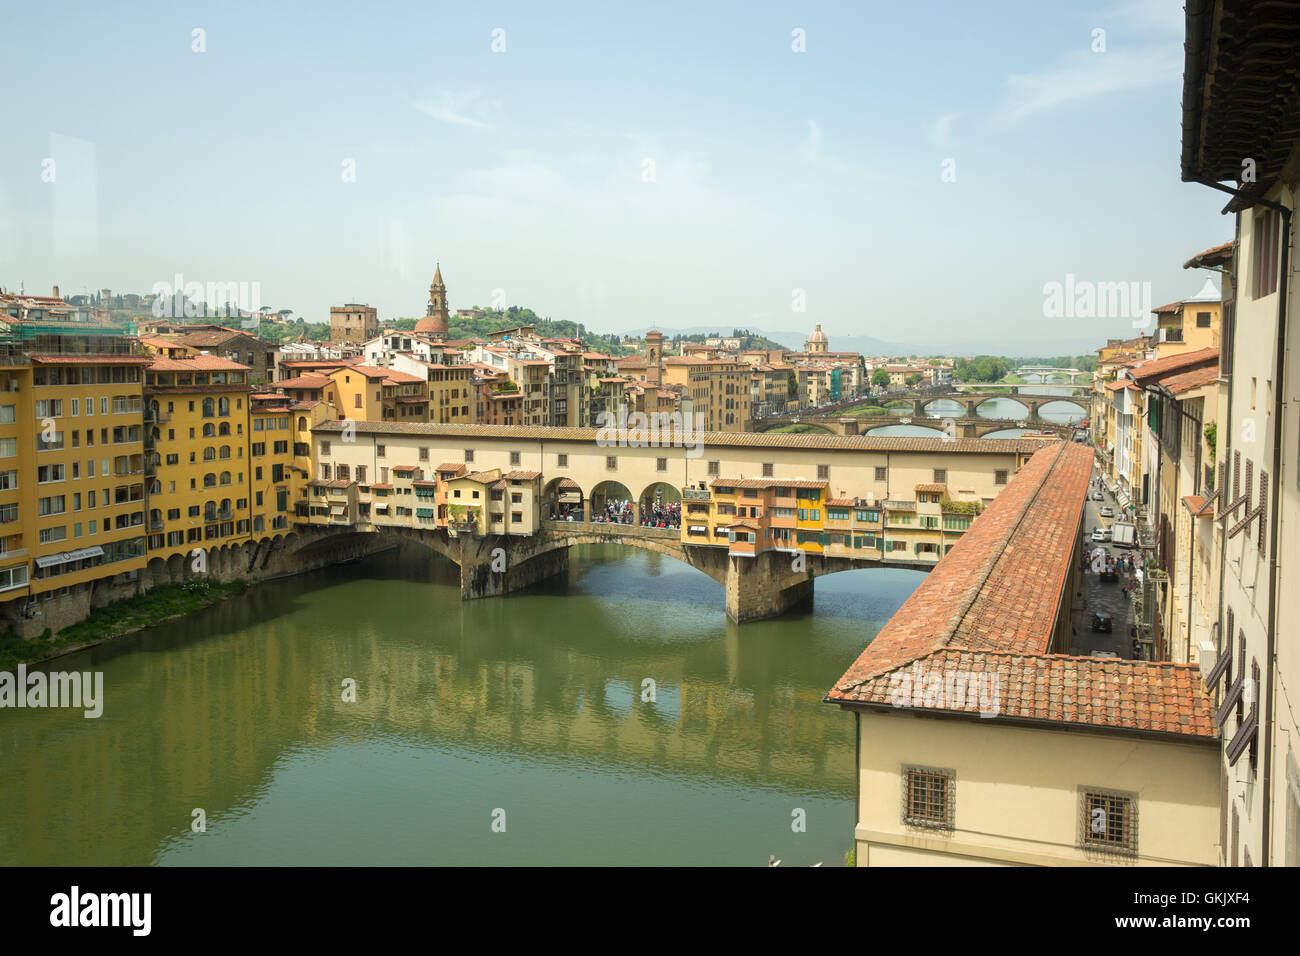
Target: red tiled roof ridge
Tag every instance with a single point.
(1040, 467)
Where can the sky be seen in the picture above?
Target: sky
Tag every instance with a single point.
(915, 172)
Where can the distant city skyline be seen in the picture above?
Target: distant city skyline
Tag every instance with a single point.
(883, 169)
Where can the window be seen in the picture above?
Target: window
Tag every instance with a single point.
(381, 451)
(1264, 252)
(713, 468)
(823, 472)
(514, 458)
(1108, 820)
(1202, 320)
(767, 469)
(928, 798)
(469, 455)
(880, 474)
(1000, 477)
(941, 476)
(324, 448)
(424, 455)
(661, 464)
(611, 462)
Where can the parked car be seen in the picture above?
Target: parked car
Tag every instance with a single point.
(1101, 622)
(1097, 496)
(1106, 511)
(1100, 534)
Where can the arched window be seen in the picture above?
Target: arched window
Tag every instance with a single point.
(209, 430)
(209, 480)
(208, 406)
(155, 433)
(225, 451)
(225, 477)
(223, 428)
(302, 423)
(225, 507)
(223, 407)
(209, 454)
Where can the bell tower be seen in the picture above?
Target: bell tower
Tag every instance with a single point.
(436, 317)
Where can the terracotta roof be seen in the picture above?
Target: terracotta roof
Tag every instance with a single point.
(1104, 693)
(990, 606)
(406, 468)
(1116, 385)
(450, 466)
(932, 486)
(1186, 381)
(369, 371)
(1170, 307)
(482, 478)
(766, 483)
(413, 399)
(92, 359)
(840, 502)
(522, 475)
(1154, 370)
(335, 483)
(1214, 256)
(305, 381)
(197, 363)
(395, 377)
(568, 484)
(855, 443)
(382, 485)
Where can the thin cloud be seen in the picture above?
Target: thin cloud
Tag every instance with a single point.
(1085, 75)
(941, 131)
(460, 109)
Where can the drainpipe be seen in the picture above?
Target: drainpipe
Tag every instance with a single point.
(1283, 289)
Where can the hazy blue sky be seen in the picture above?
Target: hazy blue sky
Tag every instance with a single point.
(525, 170)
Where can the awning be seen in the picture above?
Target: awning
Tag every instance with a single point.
(381, 509)
(65, 556)
(697, 527)
(338, 509)
(424, 512)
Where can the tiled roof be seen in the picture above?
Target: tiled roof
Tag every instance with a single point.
(1170, 307)
(857, 443)
(840, 502)
(932, 486)
(1170, 364)
(405, 468)
(1116, 385)
(1186, 381)
(336, 483)
(92, 359)
(766, 483)
(990, 606)
(1214, 256)
(450, 466)
(1095, 692)
(522, 475)
(197, 363)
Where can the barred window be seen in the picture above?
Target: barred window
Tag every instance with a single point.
(713, 468)
(611, 462)
(1108, 820)
(1000, 477)
(941, 476)
(880, 473)
(928, 797)
(767, 469)
(823, 472)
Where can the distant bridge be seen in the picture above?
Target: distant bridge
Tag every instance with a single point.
(964, 427)
(1046, 371)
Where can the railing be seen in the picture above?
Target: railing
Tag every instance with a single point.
(696, 494)
(612, 528)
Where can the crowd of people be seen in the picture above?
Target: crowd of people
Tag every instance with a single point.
(660, 515)
(617, 511)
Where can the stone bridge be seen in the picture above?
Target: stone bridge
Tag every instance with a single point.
(966, 427)
(757, 586)
(1032, 402)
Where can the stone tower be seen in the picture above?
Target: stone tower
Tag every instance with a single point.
(436, 316)
(654, 356)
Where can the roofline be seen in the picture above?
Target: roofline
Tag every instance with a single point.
(1036, 722)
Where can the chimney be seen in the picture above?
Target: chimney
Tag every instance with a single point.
(56, 292)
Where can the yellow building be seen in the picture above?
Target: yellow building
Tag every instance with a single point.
(197, 422)
(1190, 325)
(717, 389)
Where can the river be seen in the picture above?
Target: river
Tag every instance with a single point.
(525, 711)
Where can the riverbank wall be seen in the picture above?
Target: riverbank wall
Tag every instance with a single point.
(299, 551)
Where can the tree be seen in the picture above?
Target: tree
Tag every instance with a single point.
(913, 379)
(880, 378)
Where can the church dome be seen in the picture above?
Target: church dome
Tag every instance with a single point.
(818, 335)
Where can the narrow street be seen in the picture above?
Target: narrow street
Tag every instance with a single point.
(1097, 595)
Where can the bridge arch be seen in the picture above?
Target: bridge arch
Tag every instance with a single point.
(563, 497)
(668, 498)
(609, 490)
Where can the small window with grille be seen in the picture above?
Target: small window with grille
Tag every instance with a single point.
(1108, 820)
(928, 797)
